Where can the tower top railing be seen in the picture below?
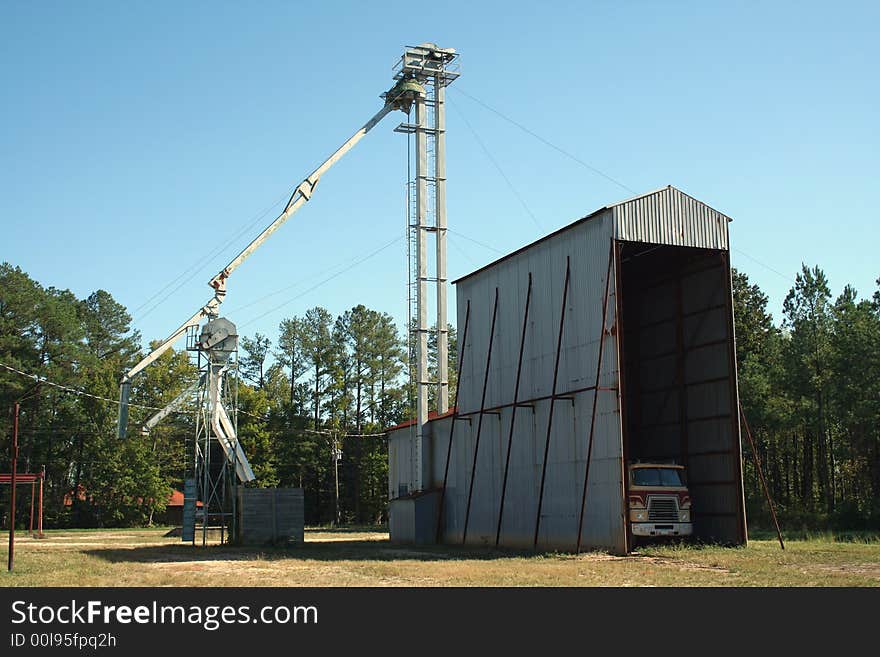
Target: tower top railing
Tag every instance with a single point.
(428, 61)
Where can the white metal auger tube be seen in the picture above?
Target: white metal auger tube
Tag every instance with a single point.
(400, 96)
(208, 310)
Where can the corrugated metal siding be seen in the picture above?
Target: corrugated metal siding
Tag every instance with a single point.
(587, 245)
(670, 216)
(664, 217)
(400, 461)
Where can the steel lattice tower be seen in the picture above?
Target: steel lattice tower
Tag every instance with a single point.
(435, 68)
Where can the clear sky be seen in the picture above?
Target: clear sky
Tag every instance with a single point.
(139, 138)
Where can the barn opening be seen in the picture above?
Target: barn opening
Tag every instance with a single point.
(680, 400)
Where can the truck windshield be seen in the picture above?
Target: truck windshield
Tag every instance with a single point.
(657, 477)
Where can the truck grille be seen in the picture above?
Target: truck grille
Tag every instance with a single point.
(663, 509)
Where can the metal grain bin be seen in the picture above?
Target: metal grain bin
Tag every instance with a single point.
(534, 406)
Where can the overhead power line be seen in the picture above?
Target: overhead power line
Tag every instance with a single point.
(323, 282)
(330, 432)
(497, 166)
(299, 283)
(477, 242)
(83, 393)
(462, 252)
(544, 141)
(561, 150)
(766, 266)
(74, 391)
(200, 264)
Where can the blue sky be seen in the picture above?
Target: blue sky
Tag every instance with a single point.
(136, 138)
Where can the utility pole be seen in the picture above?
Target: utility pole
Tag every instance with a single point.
(40, 512)
(14, 482)
(337, 454)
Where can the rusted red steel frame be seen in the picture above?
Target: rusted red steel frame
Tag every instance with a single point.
(522, 344)
(553, 397)
(761, 475)
(31, 520)
(595, 397)
(461, 351)
(21, 478)
(467, 513)
(534, 400)
(11, 559)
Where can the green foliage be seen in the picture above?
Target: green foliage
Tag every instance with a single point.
(83, 344)
(810, 387)
(253, 363)
(334, 382)
(811, 393)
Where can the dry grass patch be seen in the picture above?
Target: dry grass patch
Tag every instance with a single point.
(146, 557)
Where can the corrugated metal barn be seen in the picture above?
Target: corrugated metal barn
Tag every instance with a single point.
(608, 341)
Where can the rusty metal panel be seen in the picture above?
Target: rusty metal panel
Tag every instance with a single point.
(669, 216)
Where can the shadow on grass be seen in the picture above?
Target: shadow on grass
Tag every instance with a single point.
(336, 550)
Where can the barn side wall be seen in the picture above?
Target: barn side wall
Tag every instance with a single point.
(586, 248)
(546, 494)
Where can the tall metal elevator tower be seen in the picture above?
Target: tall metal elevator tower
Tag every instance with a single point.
(434, 68)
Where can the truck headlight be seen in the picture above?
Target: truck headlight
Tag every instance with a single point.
(684, 516)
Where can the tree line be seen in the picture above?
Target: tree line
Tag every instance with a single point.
(810, 387)
(325, 387)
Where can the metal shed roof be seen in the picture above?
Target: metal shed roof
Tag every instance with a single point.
(654, 216)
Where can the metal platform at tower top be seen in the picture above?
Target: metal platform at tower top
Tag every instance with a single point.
(428, 61)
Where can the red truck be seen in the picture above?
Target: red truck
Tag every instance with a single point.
(659, 500)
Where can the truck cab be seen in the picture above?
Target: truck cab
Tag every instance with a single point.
(659, 500)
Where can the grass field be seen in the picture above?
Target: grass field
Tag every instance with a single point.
(146, 557)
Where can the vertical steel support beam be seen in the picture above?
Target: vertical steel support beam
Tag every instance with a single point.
(467, 513)
(595, 396)
(621, 384)
(522, 344)
(440, 217)
(422, 291)
(552, 399)
(461, 348)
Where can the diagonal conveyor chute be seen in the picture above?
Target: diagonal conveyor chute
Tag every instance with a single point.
(225, 432)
